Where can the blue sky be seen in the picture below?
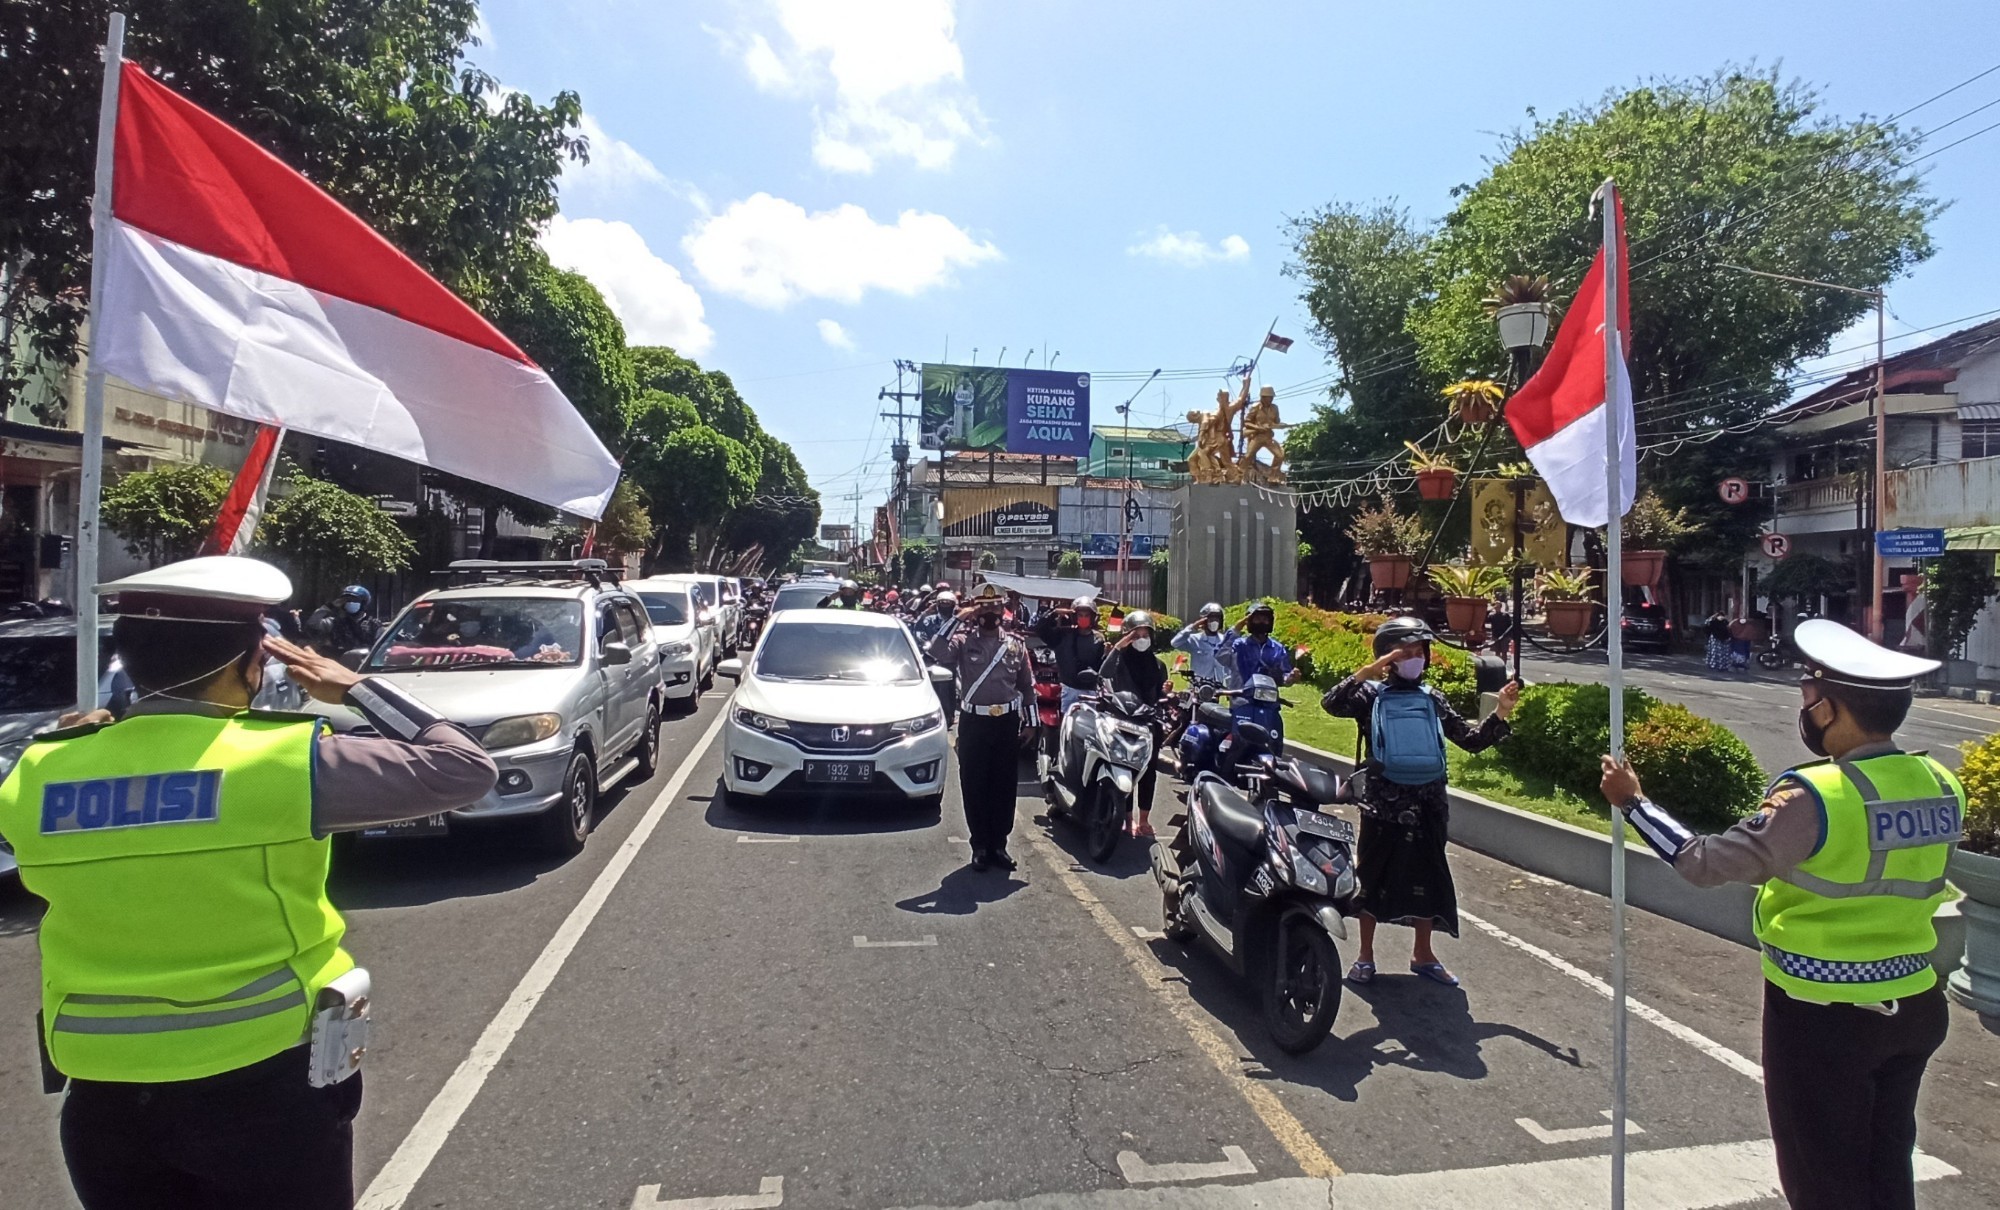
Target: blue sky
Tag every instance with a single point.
(799, 191)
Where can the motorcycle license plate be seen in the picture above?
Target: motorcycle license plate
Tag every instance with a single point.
(403, 829)
(840, 772)
(1315, 824)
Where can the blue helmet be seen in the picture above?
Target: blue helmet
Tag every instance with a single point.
(357, 593)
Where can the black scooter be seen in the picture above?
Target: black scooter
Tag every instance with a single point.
(1266, 880)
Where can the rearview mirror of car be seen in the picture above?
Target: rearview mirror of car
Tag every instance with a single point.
(616, 652)
(733, 669)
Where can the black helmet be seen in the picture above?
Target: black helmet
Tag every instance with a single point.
(1261, 606)
(1396, 632)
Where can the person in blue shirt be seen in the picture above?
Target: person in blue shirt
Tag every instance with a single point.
(1257, 652)
(1211, 648)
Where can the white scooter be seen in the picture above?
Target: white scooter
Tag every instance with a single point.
(1104, 744)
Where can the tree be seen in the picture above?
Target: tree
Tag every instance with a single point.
(375, 102)
(1806, 578)
(626, 526)
(1069, 564)
(691, 480)
(1956, 589)
(326, 535)
(164, 514)
(562, 321)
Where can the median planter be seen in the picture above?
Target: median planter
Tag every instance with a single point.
(1436, 484)
(1465, 615)
(1976, 983)
(1643, 568)
(1390, 573)
(1569, 619)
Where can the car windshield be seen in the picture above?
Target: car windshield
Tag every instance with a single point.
(666, 606)
(39, 672)
(829, 651)
(801, 596)
(480, 632)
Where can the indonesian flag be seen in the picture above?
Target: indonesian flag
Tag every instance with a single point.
(236, 524)
(1560, 415)
(1277, 343)
(233, 283)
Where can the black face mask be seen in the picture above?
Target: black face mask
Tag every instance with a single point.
(989, 621)
(1260, 630)
(1812, 734)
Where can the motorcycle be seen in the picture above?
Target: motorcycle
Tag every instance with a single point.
(1211, 741)
(1048, 699)
(1266, 880)
(1104, 744)
(754, 617)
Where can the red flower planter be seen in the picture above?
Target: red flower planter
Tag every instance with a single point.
(1569, 619)
(1436, 485)
(1643, 567)
(1465, 615)
(1389, 572)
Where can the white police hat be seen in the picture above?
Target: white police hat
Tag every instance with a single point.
(1834, 653)
(213, 588)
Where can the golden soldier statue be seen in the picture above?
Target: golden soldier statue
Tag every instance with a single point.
(1260, 432)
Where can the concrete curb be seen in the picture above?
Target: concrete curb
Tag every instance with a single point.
(1582, 859)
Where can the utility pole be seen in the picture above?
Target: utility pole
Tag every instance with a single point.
(1125, 520)
(899, 491)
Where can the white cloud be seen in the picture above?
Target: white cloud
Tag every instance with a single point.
(886, 78)
(649, 296)
(770, 252)
(833, 334)
(1189, 248)
(615, 165)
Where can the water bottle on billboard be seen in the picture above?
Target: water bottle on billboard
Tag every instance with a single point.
(961, 409)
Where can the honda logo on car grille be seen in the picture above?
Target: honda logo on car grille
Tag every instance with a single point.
(840, 735)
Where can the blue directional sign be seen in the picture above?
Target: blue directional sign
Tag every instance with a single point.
(1909, 542)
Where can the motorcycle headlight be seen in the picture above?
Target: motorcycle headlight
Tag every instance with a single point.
(919, 724)
(1308, 875)
(1126, 746)
(759, 722)
(521, 729)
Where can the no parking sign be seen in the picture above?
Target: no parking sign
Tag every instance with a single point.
(1777, 546)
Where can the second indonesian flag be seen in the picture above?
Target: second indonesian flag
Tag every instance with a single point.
(232, 282)
(1560, 415)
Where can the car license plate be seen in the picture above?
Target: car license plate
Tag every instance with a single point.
(426, 825)
(1315, 824)
(840, 772)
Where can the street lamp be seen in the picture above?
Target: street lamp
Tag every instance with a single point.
(1524, 327)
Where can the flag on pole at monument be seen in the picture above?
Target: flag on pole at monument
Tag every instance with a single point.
(1560, 415)
(234, 283)
(243, 507)
(1277, 343)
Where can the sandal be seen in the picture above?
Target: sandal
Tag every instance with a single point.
(1143, 831)
(1435, 972)
(1361, 972)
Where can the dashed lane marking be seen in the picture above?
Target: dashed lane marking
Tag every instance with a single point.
(863, 943)
(392, 1185)
(1291, 1133)
(1234, 1162)
(1574, 1134)
(745, 839)
(1645, 1012)
(1148, 934)
(770, 1193)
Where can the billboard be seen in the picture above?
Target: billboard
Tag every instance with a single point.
(1025, 519)
(836, 533)
(1006, 410)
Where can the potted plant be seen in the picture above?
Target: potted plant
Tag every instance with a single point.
(1467, 588)
(1387, 539)
(1437, 474)
(1477, 400)
(1975, 869)
(1651, 530)
(1520, 309)
(1566, 601)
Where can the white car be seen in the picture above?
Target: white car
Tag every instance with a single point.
(710, 616)
(834, 702)
(688, 649)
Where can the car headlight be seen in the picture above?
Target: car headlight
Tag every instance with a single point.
(521, 729)
(670, 650)
(919, 724)
(759, 722)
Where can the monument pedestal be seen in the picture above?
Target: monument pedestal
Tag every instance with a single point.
(1230, 543)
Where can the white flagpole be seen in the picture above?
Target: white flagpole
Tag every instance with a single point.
(90, 484)
(1614, 354)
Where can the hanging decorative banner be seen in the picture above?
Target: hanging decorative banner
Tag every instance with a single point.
(1543, 532)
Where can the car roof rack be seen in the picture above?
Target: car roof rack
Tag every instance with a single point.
(595, 572)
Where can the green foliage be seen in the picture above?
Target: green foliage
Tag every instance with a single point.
(1561, 729)
(988, 561)
(323, 533)
(1567, 583)
(1468, 580)
(164, 514)
(1807, 578)
(1698, 767)
(1070, 564)
(1381, 530)
(562, 321)
(1981, 775)
(374, 102)
(626, 526)
(1956, 588)
(1652, 525)
(696, 475)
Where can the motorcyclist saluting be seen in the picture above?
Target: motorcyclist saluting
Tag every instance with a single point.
(1070, 632)
(1131, 667)
(344, 623)
(1211, 648)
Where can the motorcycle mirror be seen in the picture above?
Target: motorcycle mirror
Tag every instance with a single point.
(1088, 679)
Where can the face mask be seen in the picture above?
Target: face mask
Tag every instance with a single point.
(351, 606)
(1260, 629)
(1811, 733)
(1411, 668)
(1085, 622)
(1213, 627)
(989, 621)
(1142, 644)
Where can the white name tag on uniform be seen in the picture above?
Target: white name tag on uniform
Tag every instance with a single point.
(1914, 824)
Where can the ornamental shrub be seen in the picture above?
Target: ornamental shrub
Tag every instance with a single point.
(1695, 768)
(1981, 775)
(1561, 729)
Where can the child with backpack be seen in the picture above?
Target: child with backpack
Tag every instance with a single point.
(1404, 811)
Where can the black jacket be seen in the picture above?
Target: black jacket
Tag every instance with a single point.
(1075, 649)
(1139, 673)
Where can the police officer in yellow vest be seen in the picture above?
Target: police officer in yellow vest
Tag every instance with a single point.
(195, 995)
(1850, 852)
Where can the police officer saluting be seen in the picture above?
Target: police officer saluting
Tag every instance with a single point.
(1851, 853)
(996, 694)
(195, 995)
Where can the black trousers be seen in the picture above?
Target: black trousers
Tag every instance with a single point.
(1840, 1084)
(256, 1137)
(988, 755)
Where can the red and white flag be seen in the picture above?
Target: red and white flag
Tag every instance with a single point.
(1277, 343)
(1560, 415)
(236, 524)
(232, 282)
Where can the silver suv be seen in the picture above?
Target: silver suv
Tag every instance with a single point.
(552, 666)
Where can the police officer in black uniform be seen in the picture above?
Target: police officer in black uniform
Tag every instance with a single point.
(996, 694)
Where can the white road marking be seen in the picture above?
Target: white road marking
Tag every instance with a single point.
(770, 1193)
(1951, 710)
(863, 943)
(392, 1185)
(742, 839)
(1574, 1134)
(1670, 1178)
(1645, 1012)
(1148, 934)
(1234, 1162)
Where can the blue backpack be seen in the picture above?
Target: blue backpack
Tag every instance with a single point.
(1406, 738)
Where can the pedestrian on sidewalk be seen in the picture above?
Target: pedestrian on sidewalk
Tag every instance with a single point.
(1740, 633)
(1849, 856)
(1405, 878)
(1718, 641)
(196, 998)
(996, 698)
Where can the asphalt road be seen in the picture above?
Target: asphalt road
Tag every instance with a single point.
(1762, 707)
(822, 1007)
